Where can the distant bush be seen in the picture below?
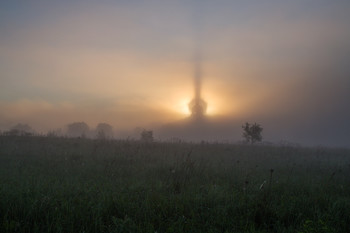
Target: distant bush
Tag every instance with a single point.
(147, 136)
(20, 130)
(104, 131)
(252, 132)
(78, 129)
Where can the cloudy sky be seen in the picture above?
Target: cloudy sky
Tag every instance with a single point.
(283, 64)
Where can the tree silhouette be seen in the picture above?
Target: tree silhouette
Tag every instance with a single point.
(252, 132)
(78, 129)
(104, 131)
(147, 136)
(20, 130)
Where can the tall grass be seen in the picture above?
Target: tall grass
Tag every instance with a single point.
(83, 185)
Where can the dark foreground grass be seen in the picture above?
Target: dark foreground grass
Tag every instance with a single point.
(82, 185)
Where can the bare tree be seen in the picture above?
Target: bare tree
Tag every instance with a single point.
(252, 132)
(78, 129)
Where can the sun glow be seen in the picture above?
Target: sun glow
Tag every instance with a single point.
(182, 107)
(211, 110)
(180, 103)
(215, 104)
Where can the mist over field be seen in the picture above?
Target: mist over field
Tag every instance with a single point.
(132, 64)
(175, 116)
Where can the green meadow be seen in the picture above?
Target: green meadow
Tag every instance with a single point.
(84, 185)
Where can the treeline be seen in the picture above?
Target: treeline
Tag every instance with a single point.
(252, 133)
(76, 130)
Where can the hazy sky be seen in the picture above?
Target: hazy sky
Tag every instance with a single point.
(283, 64)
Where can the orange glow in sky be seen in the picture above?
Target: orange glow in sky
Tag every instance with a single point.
(130, 63)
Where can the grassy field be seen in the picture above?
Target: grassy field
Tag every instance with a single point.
(83, 185)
